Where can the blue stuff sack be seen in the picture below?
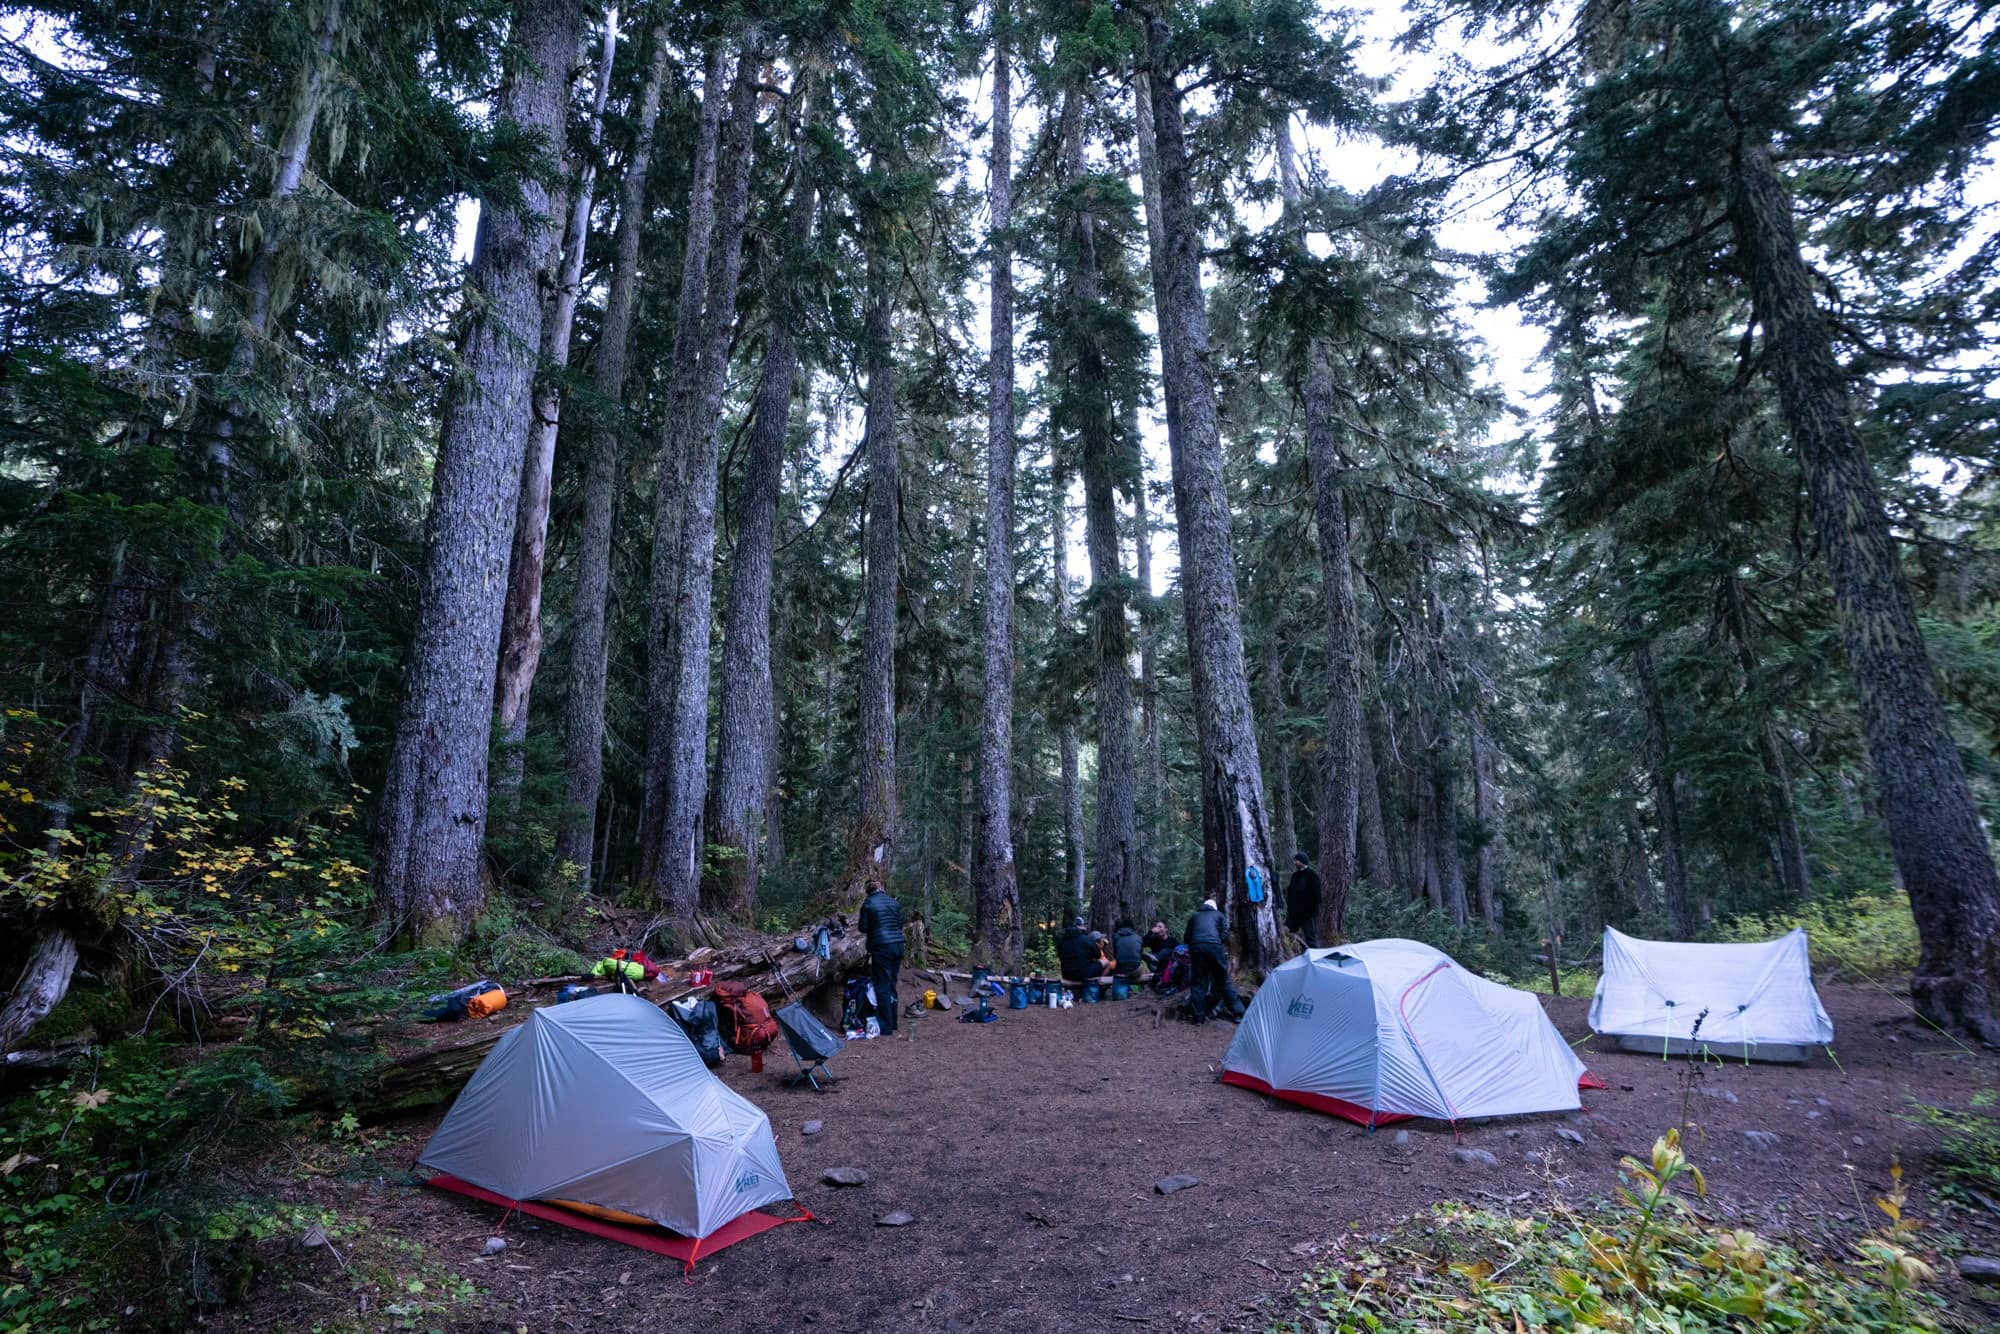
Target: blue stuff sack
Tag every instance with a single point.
(1090, 996)
(574, 991)
(1253, 879)
(1121, 990)
(1017, 996)
(1037, 993)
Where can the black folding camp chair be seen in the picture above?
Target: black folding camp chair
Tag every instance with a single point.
(812, 1045)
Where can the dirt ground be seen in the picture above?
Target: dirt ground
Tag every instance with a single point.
(1027, 1149)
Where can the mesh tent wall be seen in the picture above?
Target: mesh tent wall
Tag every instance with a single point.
(1755, 1000)
(1385, 1030)
(605, 1102)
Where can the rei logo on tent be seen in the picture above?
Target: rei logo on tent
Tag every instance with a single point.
(747, 1180)
(1301, 1008)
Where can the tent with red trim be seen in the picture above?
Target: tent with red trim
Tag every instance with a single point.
(1386, 1030)
(605, 1103)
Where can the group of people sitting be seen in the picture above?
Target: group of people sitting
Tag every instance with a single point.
(1088, 956)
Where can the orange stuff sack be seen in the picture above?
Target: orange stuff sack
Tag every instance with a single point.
(485, 1003)
(747, 1025)
(605, 1213)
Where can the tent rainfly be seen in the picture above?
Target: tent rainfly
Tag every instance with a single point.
(1386, 1030)
(1755, 1002)
(605, 1104)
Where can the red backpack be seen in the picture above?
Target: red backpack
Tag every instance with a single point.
(747, 1025)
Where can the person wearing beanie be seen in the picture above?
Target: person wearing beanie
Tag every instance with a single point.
(1077, 951)
(1207, 941)
(1302, 901)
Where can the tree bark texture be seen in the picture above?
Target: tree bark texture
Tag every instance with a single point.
(875, 813)
(521, 623)
(431, 826)
(685, 365)
(1375, 860)
(688, 592)
(1075, 871)
(583, 710)
(996, 888)
(1486, 828)
(1934, 829)
(1235, 838)
(43, 982)
(1103, 455)
(746, 735)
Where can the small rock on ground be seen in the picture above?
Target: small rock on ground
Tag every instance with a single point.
(1763, 1141)
(1573, 1136)
(812, 1127)
(844, 1176)
(1402, 1140)
(896, 1218)
(1179, 1181)
(1479, 1156)
(1979, 1268)
(1720, 1095)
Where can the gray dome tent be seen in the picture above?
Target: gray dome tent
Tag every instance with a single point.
(604, 1102)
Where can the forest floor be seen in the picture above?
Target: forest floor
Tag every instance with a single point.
(1027, 1149)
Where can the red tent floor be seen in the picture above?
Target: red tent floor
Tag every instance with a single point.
(655, 1239)
(1361, 1116)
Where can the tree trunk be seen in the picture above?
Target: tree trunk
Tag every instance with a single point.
(1235, 839)
(1075, 872)
(1485, 828)
(1934, 829)
(1666, 800)
(1154, 767)
(996, 890)
(689, 589)
(745, 736)
(875, 813)
(583, 732)
(1339, 822)
(1451, 861)
(431, 827)
(685, 365)
(521, 622)
(43, 982)
(1284, 835)
(1371, 834)
(1104, 455)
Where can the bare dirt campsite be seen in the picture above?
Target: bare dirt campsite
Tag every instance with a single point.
(1028, 1149)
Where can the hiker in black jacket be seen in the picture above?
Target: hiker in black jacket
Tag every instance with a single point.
(882, 923)
(1077, 953)
(1127, 950)
(1207, 934)
(1302, 901)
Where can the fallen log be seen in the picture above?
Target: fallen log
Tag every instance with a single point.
(432, 1072)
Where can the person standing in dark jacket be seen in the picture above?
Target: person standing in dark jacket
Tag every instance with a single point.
(882, 924)
(1302, 901)
(1207, 932)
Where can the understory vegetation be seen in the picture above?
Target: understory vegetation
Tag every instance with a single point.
(1649, 1261)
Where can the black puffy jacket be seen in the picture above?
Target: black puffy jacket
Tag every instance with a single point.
(1207, 927)
(882, 922)
(1302, 898)
(1077, 952)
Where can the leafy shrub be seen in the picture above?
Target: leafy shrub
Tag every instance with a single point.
(1645, 1263)
(1868, 935)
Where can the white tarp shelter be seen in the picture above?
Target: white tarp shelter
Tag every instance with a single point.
(1385, 1030)
(605, 1102)
(1754, 1001)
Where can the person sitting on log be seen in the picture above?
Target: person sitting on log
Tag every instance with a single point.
(1127, 952)
(1156, 945)
(1078, 953)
